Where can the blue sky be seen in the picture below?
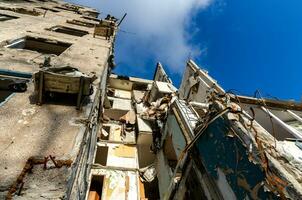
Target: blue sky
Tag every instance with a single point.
(244, 44)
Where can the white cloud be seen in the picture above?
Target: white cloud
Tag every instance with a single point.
(160, 27)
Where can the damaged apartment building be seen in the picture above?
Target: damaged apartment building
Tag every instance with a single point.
(72, 129)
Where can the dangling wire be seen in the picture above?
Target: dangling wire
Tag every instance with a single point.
(268, 112)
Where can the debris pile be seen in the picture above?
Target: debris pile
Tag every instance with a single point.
(278, 160)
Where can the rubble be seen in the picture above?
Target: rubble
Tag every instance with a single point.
(132, 138)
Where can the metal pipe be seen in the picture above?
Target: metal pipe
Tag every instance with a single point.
(7, 72)
(122, 19)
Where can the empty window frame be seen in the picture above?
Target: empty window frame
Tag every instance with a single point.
(29, 1)
(4, 17)
(41, 45)
(23, 11)
(48, 1)
(48, 9)
(4, 96)
(96, 186)
(11, 82)
(91, 18)
(69, 31)
(101, 155)
(81, 23)
(67, 9)
(91, 13)
(106, 135)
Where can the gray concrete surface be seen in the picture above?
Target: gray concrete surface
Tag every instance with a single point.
(27, 129)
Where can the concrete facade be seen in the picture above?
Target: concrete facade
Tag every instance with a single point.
(129, 138)
(54, 128)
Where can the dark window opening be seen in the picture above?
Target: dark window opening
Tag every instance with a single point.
(29, 1)
(72, 6)
(48, 1)
(91, 18)
(110, 92)
(40, 45)
(58, 98)
(105, 137)
(4, 17)
(101, 155)
(81, 23)
(4, 95)
(194, 187)
(13, 84)
(151, 189)
(96, 187)
(9, 85)
(23, 11)
(67, 9)
(140, 86)
(69, 31)
(91, 13)
(48, 9)
(122, 77)
(111, 102)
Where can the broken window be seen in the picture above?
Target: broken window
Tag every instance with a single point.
(22, 11)
(29, 1)
(69, 31)
(96, 186)
(101, 155)
(48, 9)
(140, 86)
(40, 45)
(91, 13)
(11, 84)
(4, 95)
(81, 23)
(66, 8)
(4, 17)
(151, 189)
(106, 133)
(91, 18)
